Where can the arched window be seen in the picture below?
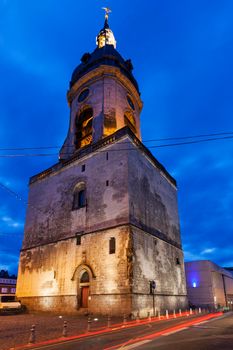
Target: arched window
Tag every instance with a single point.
(84, 127)
(79, 197)
(85, 277)
(130, 121)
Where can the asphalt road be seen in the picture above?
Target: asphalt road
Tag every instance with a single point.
(214, 334)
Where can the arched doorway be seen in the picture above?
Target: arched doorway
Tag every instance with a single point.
(84, 285)
(83, 275)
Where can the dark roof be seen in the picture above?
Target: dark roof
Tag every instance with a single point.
(107, 55)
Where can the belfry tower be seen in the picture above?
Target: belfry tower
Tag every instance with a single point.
(102, 225)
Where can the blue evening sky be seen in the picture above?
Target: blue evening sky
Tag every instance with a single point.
(182, 52)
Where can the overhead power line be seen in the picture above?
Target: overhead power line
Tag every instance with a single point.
(13, 193)
(122, 149)
(17, 196)
(144, 141)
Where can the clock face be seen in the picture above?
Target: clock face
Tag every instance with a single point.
(83, 95)
(130, 102)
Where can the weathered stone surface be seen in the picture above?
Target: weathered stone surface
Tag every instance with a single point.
(50, 216)
(54, 270)
(153, 199)
(138, 208)
(156, 260)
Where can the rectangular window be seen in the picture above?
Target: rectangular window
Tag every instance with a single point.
(13, 290)
(107, 183)
(107, 156)
(83, 168)
(4, 290)
(112, 245)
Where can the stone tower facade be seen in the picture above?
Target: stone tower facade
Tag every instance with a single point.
(103, 223)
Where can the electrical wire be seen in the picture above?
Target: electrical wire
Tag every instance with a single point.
(144, 141)
(17, 196)
(120, 150)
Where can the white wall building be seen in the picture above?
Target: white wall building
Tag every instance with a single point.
(208, 285)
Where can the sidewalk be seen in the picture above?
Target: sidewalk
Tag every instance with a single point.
(15, 329)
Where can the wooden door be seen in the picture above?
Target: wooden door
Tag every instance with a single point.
(84, 298)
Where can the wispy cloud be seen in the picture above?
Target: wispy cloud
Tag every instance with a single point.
(208, 251)
(10, 222)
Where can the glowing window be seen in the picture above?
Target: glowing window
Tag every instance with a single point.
(130, 121)
(194, 284)
(84, 128)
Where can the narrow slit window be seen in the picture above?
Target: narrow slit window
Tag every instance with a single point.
(78, 239)
(112, 245)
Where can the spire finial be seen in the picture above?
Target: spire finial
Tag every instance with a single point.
(105, 36)
(107, 11)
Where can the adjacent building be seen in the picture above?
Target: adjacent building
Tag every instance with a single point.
(209, 285)
(102, 227)
(8, 285)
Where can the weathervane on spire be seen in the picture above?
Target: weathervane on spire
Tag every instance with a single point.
(107, 11)
(105, 36)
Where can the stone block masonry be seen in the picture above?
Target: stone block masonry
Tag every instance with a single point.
(129, 199)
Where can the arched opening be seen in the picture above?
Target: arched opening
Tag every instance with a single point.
(79, 196)
(129, 120)
(84, 128)
(83, 275)
(84, 285)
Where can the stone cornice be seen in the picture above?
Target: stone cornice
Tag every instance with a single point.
(87, 150)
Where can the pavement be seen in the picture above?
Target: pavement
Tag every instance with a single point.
(15, 330)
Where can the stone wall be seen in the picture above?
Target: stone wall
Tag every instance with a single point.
(156, 260)
(49, 214)
(130, 198)
(153, 199)
(49, 275)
